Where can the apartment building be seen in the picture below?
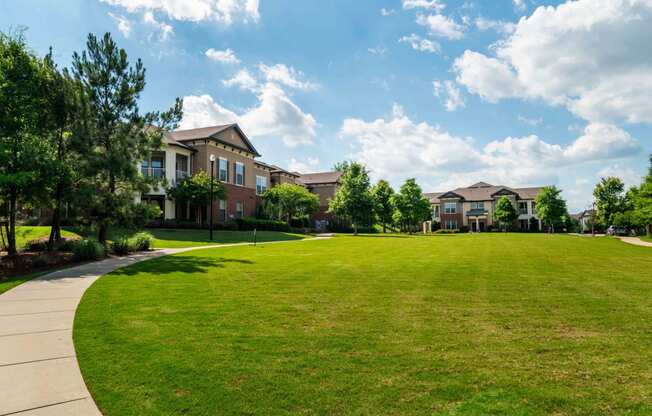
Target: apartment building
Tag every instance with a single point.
(324, 185)
(473, 207)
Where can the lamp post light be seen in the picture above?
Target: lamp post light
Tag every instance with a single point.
(212, 159)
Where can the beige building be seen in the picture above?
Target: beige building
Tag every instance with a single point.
(473, 207)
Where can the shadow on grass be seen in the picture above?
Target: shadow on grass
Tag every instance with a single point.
(175, 264)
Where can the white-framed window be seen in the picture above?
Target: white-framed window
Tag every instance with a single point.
(239, 209)
(239, 173)
(436, 211)
(522, 207)
(261, 185)
(223, 170)
(450, 208)
(222, 210)
(451, 224)
(477, 205)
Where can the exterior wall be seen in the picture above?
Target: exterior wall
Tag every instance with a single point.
(170, 176)
(458, 216)
(279, 178)
(202, 162)
(259, 171)
(237, 194)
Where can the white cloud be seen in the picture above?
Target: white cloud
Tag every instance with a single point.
(287, 76)
(520, 5)
(124, 25)
(573, 55)
(421, 44)
(454, 99)
(224, 11)
(227, 56)
(498, 25)
(423, 4)
(627, 174)
(165, 30)
(378, 50)
(534, 122)
(441, 26)
(310, 165)
(386, 12)
(242, 79)
(274, 115)
(398, 148)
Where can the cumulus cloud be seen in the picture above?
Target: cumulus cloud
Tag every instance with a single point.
(398, 148)
(421, 44)
(520, 5)
(124, 25)
(242, 79)
(499, 26)
(423, 4)
(274, 115)
(224, 11)
(226, 56)
(591, 56)
(441, 26)
(287, 76)
(386, 12)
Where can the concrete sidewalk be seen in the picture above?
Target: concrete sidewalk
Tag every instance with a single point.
(39, 374)
(636, 241)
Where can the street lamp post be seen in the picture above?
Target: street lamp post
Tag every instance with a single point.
(212, 158)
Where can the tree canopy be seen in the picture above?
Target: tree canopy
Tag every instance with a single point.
(505, 213)
(551, 207)
(353, 199)
(610, 199)
(382, 195)
(196, 190)
(290, 201)
(412, 208)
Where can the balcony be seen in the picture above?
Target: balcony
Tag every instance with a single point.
(180, 175)
(153, 172)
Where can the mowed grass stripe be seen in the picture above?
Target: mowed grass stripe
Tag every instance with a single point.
(465, 324)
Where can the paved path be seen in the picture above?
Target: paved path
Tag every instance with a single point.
(39, 374)
(636, 241)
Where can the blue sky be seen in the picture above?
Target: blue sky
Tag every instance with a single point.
(512, 92)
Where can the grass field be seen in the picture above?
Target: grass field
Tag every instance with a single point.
(24, 234)
(467, 324)
(648, 239)
(173, 238)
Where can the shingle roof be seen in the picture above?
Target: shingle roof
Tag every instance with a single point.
(210, 132)
(482, 191)
(433, 197)
(275, 168)
(320, 177)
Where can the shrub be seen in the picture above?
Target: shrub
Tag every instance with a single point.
(67, 244)
(142, 241)
(121, 246)
(442, 231)
(248, 224)
(40, 262)
(88, 250)
(36, 246)
(229, 226)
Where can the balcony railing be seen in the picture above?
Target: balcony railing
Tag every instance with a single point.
(153, 172)
(181, 175)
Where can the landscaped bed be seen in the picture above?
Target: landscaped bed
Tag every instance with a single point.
(462, 324)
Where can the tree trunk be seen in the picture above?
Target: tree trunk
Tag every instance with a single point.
(648, 229)
(55, 231)
(384, 228)
(355, 229)
(12, 223)
(101, 235)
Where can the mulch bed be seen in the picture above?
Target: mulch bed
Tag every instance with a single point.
(28, 262)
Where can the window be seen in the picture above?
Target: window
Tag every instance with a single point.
(261, 185)
(144, 167)
(181, 166)
(450, 225)
(239, 209)
(522, 207)
(222, 211)
(450, 208)
(223, 170)
(239, 173)
(157, 166)
(477, 205)
(436, 211)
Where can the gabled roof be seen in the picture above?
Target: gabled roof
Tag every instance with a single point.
(433, 197)
(276, 169)
(213, 133)
(320, 178)
(483, 191)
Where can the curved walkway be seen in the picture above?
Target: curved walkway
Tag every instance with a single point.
(39, 374)
(636, 241)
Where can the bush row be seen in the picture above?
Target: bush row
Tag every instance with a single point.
(140, 242)
(248, 224)
(89, 249)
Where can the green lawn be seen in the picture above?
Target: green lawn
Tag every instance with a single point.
(25, 233)
(648, 239)
(176, 238)
(502, 324)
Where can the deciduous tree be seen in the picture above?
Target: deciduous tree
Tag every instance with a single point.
(196, 190)
(551, 207)
(412, 208)
(353, 199)
(290, 201)
(382, 195)
(609, 196)
(505, 213)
